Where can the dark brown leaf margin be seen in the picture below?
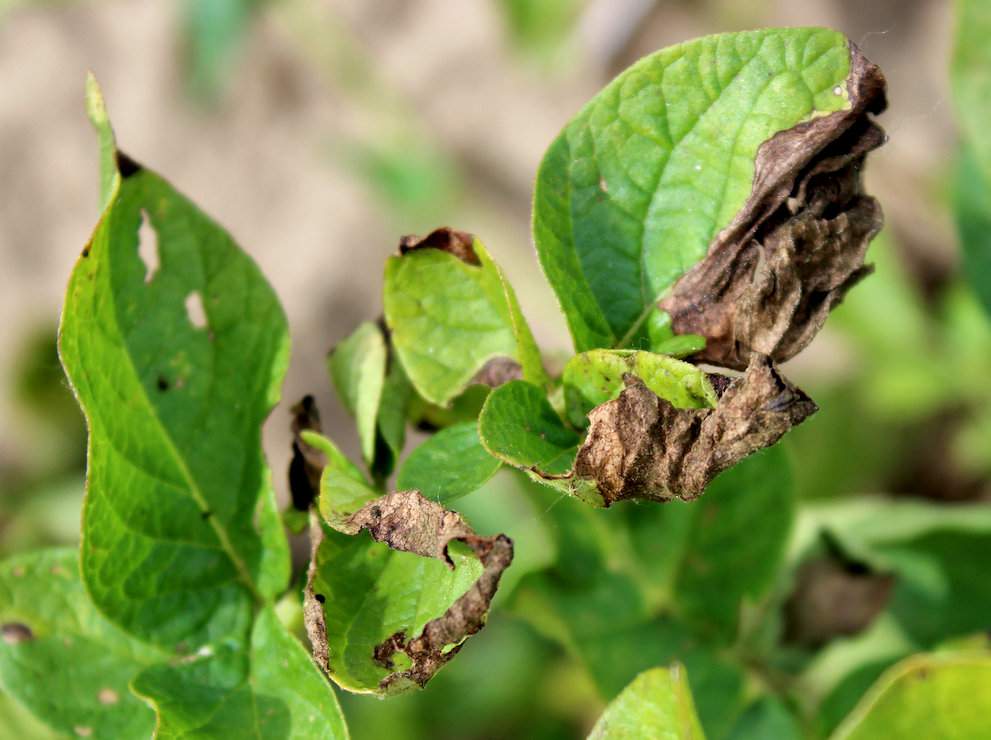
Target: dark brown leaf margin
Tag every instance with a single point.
(408, 522)
(772, 276)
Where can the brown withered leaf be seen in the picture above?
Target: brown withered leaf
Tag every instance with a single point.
(832, 599)
(458, 243)
(639, 446)
(307, 462)
(772, 276)
(408, 522)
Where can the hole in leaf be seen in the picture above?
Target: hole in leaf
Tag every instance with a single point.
(108, 696)
(163, 383)
(195, 310)
(148, 246)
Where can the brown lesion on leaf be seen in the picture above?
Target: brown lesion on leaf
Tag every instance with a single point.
(127, 166)
(798, 245)
(834, 597)
(15, 633)
(458, 243)
(408, 522)
(307, 462)
(497, 371)
(639, 446)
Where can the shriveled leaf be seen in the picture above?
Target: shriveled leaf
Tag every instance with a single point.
(454, 318)
(61, 659)
(933, 696)
(271, 690)
(384, 615)
(592, 378)
(357, 367)
(449, 465)
(176, 368)
(693, 151)
(656, 705)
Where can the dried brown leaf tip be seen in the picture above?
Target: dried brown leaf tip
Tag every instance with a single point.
(639, 446)
(408, 522)
(307, 462)
(772, 276)
(458, 243)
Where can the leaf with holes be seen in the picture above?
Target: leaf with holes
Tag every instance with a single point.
(61, 659)
(678, 161)
(272, 690)
(454, 318)
(181, 536)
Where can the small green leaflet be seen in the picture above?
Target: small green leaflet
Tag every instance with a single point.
(592, 378)
(357, 367)
(631, 193)
(455, 319)
(176, 368)
(657, 705)
(449, 465)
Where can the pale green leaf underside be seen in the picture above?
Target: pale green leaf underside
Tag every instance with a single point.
(274, 691)
(75, 671)
(357, 367)
(448, 318)
(931, 696)
(370, 592)
(632, 192)
(594, 377)
(180, 528)
(657, 705)
(449, 465)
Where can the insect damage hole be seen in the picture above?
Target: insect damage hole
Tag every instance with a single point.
(148, 246)
(195, 310)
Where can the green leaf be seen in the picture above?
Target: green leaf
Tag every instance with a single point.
(449, 465)
(932, 696)
(357, 367)
(970, 77)
(631, 193)
(455, 319)
(592, 378)
(767, 718)
(272, 691)
(519, 426)
(60, 658)
(657, 704)
(735, 545)
(176, 370)
(397, 395)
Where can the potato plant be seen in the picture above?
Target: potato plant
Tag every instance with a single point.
(698, 220)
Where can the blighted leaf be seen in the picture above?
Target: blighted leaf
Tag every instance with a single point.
(270, 690)
(384, 615)
(176, 369)
(454, 318)
(592, 378)
(357, 367)
(933, 696)
(61, 659)
(449, 465)
(656, 705)
(687, 154)
(308, 460)
(640, 446)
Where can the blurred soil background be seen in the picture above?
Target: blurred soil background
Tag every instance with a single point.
(318, 133)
